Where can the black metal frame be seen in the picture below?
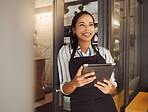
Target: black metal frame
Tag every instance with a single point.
(58, 34)
(126, 54)
(110, 13)
(104, 23)
(100, 22)
(141, 42)
(106, 12)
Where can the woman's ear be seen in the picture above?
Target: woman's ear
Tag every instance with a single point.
(73, 30)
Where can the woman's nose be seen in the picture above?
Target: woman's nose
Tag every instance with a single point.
(87, 27)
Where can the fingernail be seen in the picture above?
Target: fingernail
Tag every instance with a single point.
(95, 77)
(95, 84)
(98, 82)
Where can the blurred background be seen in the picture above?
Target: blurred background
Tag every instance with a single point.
(32, 32)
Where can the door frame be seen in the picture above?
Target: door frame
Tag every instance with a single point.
(58, 39)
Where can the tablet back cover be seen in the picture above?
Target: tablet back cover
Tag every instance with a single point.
(102, 71)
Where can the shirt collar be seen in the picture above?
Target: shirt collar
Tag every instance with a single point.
(80, 48)
(88, 51)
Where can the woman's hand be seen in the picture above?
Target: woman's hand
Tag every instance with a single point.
(107, 88)
(78, 81)
(81, 80)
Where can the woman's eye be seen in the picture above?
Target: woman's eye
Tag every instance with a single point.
(91, 24)
(81, 24)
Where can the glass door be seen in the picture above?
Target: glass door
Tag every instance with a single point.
(42, 49)
(134, 49)
(125, 48)
(118, 34)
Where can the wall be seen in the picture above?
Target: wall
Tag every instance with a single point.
(16, 57)
(144, 80)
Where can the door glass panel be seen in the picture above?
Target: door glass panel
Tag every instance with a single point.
(134, 49)
(119, 18)
(118, 27)
(43, 48)
(43, 45)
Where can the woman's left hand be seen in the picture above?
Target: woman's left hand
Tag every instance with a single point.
(107, 88)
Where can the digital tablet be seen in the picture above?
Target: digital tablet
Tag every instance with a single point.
(102, 71)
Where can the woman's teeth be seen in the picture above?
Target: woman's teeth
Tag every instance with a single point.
(86, 34)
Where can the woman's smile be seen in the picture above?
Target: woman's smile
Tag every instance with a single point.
(86, 34)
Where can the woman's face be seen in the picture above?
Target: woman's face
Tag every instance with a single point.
(84, 28)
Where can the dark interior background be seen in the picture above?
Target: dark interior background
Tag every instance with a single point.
(144, 78)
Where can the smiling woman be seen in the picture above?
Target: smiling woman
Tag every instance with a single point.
(70, 60)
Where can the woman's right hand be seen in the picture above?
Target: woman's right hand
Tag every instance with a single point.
(81, 80)
(78, 81)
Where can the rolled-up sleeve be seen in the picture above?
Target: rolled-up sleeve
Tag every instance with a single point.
(112, 80)
(63, 68)
(111, 60)
(107, 55)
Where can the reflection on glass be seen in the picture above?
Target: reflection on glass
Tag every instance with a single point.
(134, 53)
(117, 48)
(42, 46)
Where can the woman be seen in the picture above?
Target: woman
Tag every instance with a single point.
(70, 60)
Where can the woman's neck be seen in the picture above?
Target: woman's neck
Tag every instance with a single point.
(84, 46)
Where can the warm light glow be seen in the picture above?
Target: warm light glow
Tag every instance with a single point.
(44, 16)
(49, 15)
(38, 17)
(117, 41)
(116, 23)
